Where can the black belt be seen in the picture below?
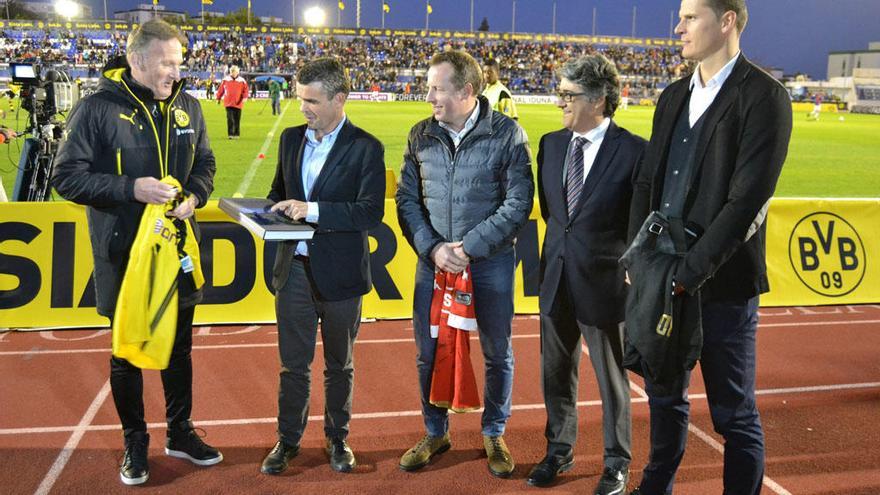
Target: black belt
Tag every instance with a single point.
(301, 258)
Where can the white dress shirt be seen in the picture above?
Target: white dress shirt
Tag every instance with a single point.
(702, 95)
(469, 124)
(314, 156)
(595, 136)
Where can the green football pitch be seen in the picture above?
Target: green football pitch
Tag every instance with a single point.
(828, 158)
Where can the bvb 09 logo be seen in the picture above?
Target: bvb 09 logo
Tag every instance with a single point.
(827, 254)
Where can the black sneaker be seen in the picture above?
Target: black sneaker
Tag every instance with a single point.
(134, 469)
(184, 443)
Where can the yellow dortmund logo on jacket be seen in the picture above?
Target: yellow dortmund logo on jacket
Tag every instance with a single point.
(145, 321)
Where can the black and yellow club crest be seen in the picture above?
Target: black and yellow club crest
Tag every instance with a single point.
(181, 117)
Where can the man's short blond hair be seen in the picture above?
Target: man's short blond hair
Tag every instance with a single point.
(465, 69)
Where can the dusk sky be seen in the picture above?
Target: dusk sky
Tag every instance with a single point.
(795, 35)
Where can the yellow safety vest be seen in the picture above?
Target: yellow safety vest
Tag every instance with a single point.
(145, 321)
(504, 105)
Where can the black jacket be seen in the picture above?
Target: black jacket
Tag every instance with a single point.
(664, 336)
(112, 139)
(350, 192)
(739, 157)
(586, 246)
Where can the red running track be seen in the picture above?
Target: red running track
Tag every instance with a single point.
(819, 396)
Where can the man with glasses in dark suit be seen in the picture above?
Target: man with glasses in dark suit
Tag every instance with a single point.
(584, 187)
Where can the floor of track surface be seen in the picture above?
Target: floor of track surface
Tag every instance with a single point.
(819, 397)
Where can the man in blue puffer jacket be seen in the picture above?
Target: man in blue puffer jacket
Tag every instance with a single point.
(466, 190)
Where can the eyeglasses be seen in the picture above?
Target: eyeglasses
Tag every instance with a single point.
(568, 97)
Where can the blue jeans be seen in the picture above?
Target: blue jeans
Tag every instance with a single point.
(728, 366)
(493, 302)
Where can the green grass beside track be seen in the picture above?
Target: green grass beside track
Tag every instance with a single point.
(829, 158)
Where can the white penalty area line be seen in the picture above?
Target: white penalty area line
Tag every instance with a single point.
(255, 164)
(77, 433)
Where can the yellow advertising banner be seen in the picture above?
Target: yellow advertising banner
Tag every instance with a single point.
(823, 251)
(46, 269)
(819, 251)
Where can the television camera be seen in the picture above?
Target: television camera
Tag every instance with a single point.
(44, 98)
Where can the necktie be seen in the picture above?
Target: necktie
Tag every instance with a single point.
(574, 163)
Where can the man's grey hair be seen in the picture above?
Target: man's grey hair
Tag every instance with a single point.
(154, 29)
(329, 72)
(597, 77)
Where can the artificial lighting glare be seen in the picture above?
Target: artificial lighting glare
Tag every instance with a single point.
(315, 16)
(67, 8)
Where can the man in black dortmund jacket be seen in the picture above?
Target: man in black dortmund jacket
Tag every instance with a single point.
(137, 128)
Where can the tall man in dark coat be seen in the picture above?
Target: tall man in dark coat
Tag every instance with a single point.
(719, 141)
(585, 174)
(331, 174)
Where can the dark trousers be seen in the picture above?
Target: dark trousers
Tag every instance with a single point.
(127, 382)
(560, 355)
(276, 106)
(493, 304)
(233, 121)
(728, 367)
(299, 308)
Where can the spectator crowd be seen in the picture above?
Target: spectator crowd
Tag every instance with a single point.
(388, 64)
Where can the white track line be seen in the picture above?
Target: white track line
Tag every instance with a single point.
(77, 434)
(255, 164)
(222, 346)
(706, 438)
(398, 414)
(818, 323)
(391, 341)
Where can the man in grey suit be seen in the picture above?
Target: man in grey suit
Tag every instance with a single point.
(331, 174)
(584, 187)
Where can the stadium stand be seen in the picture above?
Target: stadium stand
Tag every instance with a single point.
(377, 63)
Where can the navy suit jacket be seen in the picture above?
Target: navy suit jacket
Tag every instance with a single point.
(586, 246)
(350, 192)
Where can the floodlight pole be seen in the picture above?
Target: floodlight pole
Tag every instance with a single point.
(357, 20)
(513, 19)
(554, 17)
(671, 16)
(105, 9)
(633, 35)
(594, 21)
(293, 13)
(472, 16)
(427, 14)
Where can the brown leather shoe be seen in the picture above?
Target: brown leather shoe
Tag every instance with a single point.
(420, 455)
(500, 461)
